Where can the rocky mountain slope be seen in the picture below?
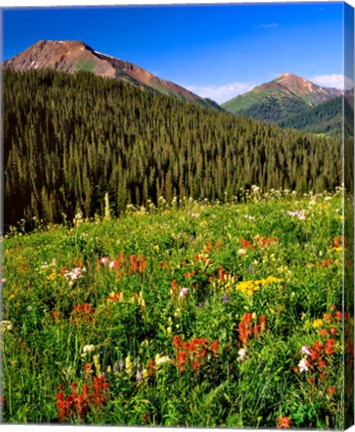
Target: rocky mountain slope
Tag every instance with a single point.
(74, 56)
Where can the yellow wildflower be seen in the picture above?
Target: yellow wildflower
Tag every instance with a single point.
(52, 276)
(249, 287)
(317, 323)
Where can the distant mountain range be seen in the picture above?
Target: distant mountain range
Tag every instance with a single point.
(75, 56)
(292, 101)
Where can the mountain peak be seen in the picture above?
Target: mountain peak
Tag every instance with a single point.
(288, 77)
(71, 56)
(284, 75)
(67, 44)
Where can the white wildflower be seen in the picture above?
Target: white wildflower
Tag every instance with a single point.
(184, 292)
(6, 326)
(75, 274)
(303, 365)
(161, 360)
(89, 349)
(299, 214)
(305, 350)
(105, 260)
(242, 354)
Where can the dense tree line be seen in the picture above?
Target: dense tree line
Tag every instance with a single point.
(70, 139)
(324, 118)
(272, 108)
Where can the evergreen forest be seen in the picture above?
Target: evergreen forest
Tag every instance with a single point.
(71, 139)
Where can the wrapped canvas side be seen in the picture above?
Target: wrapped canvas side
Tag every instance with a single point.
(348, 142)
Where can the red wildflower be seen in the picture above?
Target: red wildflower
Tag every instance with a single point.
(116, 296)
(283, 422)
(209, 247)
(327, 317)
(246, 244)
(329, 346)
(181, 359)
(331, 391)
(323, 332)
(134, 263)
(151, 367)
(322, 363)
(338, 315)
(262, 322)
(247, 318)
(87, 369)
(83, 313)
(317, 346)
(333, 331)
(243, 335)
(314, 354)
(214, 347)
(195, 365)
(142, 264)
(220, 273)
(176, 342)
(257, 330)
(61, 405)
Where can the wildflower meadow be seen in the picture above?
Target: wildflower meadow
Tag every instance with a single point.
(217, 315)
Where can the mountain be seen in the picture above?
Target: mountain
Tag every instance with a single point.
(286, 95)
(75, 56)
(311, 93)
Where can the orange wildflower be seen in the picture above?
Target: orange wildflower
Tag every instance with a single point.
(283, 422)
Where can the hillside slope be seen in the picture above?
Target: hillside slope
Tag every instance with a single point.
(326, 118)
(70, 139)
(74, 56)
(280, 98)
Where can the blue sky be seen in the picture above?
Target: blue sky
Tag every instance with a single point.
(217, 51)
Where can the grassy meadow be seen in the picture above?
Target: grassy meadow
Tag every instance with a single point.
(224, 314)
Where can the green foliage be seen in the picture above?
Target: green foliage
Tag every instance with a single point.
(268, 105)
(71, 139)
(326, 118)
(85, 66)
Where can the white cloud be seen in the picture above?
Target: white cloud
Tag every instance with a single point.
(333, 80)
(221, 93)
(266, 26)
